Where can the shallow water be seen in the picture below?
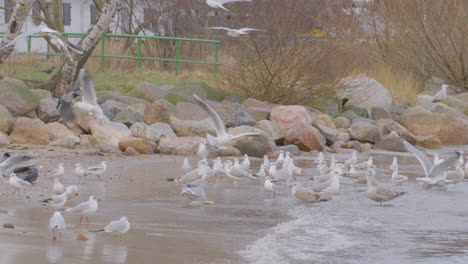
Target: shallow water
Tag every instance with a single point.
(245, 226)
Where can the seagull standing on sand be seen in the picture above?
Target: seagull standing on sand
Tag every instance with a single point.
(97, 170)
(235, 32)
(378, 193)
(85, 208)
(56, 39)
(186, 165)
(58, 201)
(245, 162)
(57, 188)
(270, 186)
(235, 172)
(202, 152)
(352, 159)
(89, 100)
(441, 95)
(198, 174)
(397, 178)
(222, 138)
(18, 183)
(56, 223)
(307, 195)
(220, 3)
(394, 165)
(119, 227)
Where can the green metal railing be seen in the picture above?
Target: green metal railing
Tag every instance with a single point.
(139, 56)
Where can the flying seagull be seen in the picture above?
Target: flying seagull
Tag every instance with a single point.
(441, 95)
(220, 3)
(64, 104)
(56, 38)
(222, 138)
(236, 32)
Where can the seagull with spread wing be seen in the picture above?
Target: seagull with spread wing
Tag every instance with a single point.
(56, 39)
(65, 102)
(222, 138)
(220, 3)
(89, 99)
(236, 32)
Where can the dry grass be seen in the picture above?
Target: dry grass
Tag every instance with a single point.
(403, 86)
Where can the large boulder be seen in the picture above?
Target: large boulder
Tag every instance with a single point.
(227, 112)
(155, 113)
(126, 100)
(256, 146)
(185, 94)
(113, 106)
(252, 102)
(341, 122)
(391, 142)
(243, 118)
(164, 129)
(68, 142)
(258, 113)
(141, 130)
(47, 110)
(87, 140)
(182, 146)
(6, 119)
(272, 129)
(285, 116)
(58, 131)
(170, 107)
(141, 145)
(109, 132)
(367, 92)
(192, 128)
(305, 136)
(388, 125)
(128, 117)
(5, 139)
(111, 149)
(381, 113)
(149, 91)
(42, 94)
(422, 122)
(322, 120)
(365, 132)
(189, 111)
(429, 142)
(30, 131)
(17, 97)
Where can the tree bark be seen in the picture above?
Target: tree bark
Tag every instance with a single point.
(19, 15)
(63, 80)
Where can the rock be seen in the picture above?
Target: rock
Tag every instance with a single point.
(366, 147)
(128, 117)
(112, 106)
(189, 111)
(353, 145)
(72, 126)
(16, 97)
(222, 151)
(251, 102)
(131, 152)
(391, 142)
(149, 92)
(47, 110)
(164, 129)
(192, 128)
(367, 93)
(111, 149)
(182, 146)
(343, 151)
(380, 113)
(68, 142)
(30, 131)
(463, 97)
(141, 130)
(90, 141)
(331, 108)
(422, 122)
(42, 94)
(141, 145)
(9, 226)
(362, 120)
(6, 119)
(337, 145)
(170, 107)
(360, 111)
(258, 114)
(341, 122)
(305, 136)
(225, 111)
(272, 129)
(155, 113)
(109, 115)
(388, 125)
(109, 132)
(349, 114)
(365, 132)
(329, 133)
(5, 139)
(429, 142)
(126, 100)
(137, 108)
(293, 149)
(58, 131)
(253, 146)
(242, 118)
(323, 120)
(454, 131)
(185, 94)
(285, 116)
(232, 99)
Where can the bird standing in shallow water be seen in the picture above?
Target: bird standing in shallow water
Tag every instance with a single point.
(56, 222)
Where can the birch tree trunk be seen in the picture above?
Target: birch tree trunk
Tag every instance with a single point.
(19, 15)
(62, 81)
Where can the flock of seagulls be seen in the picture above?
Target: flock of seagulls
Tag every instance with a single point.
(61, 195)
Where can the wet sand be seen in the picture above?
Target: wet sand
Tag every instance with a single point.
(164, 229)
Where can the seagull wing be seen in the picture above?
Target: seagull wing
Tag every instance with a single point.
(12, 162)
(246, 135)
(80, 207)
(425, 162)
(442, 167)
(116, 226)
(87, 88)
(67, 44)
(66, 111)
(217, 121)
(250, 29)
(223, 28)
(229, 1)
(24, 35)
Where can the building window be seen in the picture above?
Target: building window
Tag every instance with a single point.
(93, 14)
(148, 14)
(66, 9)
(8, 11)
